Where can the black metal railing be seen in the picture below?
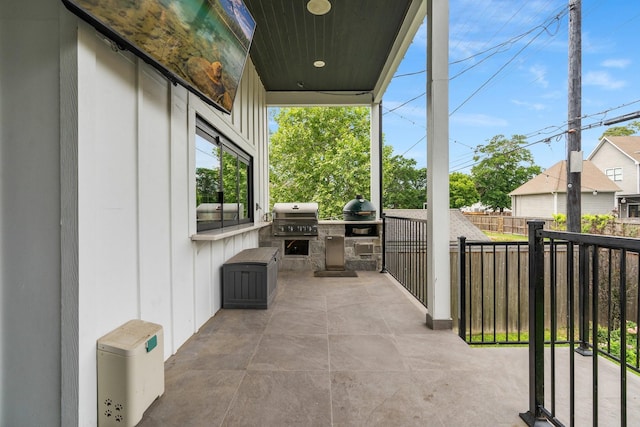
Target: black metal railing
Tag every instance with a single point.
(405, 253)
(492, 292)
(566, 295)
(601, 318)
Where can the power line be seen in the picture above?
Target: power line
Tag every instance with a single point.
(405, 103)
(509, 42)
(416, 143)
(543, 29)
(558, 136)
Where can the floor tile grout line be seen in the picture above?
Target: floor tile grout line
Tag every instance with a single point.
(233, 398)
(326, 314)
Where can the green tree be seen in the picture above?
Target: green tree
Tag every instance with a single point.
(462, 190)
(626, 130)
(320, 155)
(207, 185)
(502, 166)
(405, 186)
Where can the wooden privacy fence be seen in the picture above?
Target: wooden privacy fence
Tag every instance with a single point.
(504, 224)
(626, 227)
(495, 301)
(496, 285)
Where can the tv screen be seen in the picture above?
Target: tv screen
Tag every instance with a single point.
(201, 44)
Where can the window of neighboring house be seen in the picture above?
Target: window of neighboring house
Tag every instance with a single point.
(614, 174)
(224, 193)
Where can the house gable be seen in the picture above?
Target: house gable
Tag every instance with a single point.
(620, 156)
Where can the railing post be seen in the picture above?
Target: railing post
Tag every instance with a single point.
(583, 301)
(384, 243)
(534, 415)
(462, 288)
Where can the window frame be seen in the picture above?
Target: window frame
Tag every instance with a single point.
(614, 174)
(228, 216)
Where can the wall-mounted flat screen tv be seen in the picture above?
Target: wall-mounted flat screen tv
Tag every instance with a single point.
(201, 44)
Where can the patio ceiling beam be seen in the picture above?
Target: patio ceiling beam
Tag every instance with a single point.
(312, 98)
(400, 47)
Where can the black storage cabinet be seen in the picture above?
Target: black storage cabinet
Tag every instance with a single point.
(249, 279)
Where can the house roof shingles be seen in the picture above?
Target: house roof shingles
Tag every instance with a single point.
(554, 180)
(459, 225)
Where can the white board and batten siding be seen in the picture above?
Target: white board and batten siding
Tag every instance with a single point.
(136, 200)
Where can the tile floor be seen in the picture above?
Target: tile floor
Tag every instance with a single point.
(338, 352)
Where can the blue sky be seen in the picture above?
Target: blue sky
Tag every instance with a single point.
(519, 84)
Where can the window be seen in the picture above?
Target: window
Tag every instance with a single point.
(614, 174)
(223, 181)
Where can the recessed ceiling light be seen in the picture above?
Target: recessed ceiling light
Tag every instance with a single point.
(319, 64)
(318, 7)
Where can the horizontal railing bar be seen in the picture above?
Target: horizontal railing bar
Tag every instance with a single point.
(609, 242)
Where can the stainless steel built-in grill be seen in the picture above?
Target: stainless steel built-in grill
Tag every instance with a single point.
(295, 219)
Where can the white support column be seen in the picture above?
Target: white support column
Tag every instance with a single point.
(438, 267)
(375, 158)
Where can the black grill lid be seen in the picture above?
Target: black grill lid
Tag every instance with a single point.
(359, 209)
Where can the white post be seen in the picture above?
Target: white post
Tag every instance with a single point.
(375, 158)
(438, 267)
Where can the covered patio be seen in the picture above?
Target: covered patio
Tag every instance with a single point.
(338, 352)
(355, 352)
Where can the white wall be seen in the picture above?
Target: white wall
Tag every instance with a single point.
(536, 205)
(136, 201)
(598, 204)
(97, 198)
(29, 214)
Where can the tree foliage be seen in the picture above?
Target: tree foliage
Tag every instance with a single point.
(626, 130)
(502, 166)
(207, 185)
(405, 186)
(322, 155)
(462, 190)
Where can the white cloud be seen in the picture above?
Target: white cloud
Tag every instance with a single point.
(529, 105)
(616, 63)
(420, 38)
(554, 95)
(478, 120)
(539, 73)
(602, 79)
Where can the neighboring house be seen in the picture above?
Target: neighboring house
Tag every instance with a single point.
(619, 158)
(546, 194)
(479, 207)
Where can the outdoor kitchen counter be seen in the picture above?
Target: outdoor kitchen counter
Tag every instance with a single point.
(343, 222)
(361, 247)
(223, 233)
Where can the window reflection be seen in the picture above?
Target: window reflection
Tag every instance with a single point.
(223, 181)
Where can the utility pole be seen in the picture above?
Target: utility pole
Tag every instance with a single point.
(574, 133)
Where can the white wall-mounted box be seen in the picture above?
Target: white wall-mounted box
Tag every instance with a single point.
(130, 372)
